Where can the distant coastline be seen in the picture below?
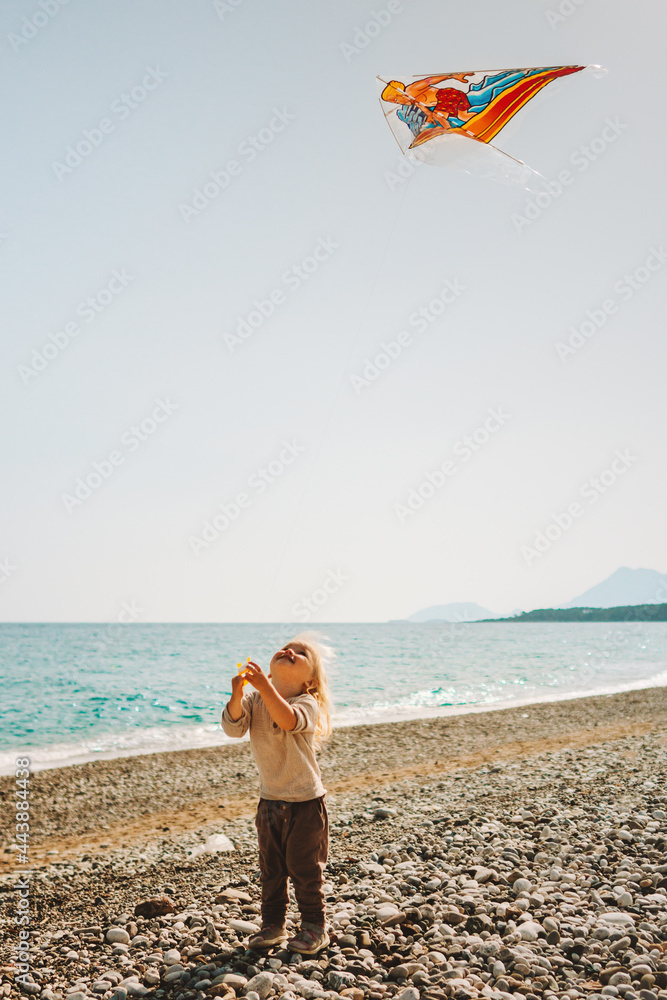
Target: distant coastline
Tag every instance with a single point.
(626, 613)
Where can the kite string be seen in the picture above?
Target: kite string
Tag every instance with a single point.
(337, 393)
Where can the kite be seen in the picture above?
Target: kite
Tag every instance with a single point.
(432, 116)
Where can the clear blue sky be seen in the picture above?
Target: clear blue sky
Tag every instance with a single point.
(309, 208)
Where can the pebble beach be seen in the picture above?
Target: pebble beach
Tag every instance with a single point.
(513, 854)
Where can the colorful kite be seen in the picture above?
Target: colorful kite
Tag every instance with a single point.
(430, 115)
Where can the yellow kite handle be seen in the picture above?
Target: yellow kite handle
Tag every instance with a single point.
(240, 669)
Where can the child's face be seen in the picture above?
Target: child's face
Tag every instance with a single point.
(291, 669)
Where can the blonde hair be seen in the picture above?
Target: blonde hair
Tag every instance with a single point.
(322, 656)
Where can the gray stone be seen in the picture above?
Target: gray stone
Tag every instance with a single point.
(399, 972)
(529, 930)
(117, 935)
(339, 980)
(409, 993)
(232, 979)
(619, 919)
(171, 957)
(244, 926)
(262, 984)
(310, 989)
(174, 973)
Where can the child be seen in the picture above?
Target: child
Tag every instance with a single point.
(288, 713)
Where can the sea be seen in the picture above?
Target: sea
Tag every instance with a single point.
(79, 692)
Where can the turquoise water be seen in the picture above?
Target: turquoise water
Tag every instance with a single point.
(77, 692)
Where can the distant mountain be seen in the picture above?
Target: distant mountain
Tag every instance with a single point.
(461, 612)
(624, 586)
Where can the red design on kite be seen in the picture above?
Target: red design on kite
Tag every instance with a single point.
(451, 101)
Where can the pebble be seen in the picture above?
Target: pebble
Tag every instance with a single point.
(118, 935)
(155, 907)
(233, 980)
(261, 985)
(508, 885)
(244, 926)
(530, 930)
(173, 973)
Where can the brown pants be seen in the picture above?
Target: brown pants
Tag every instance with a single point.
(293, 840)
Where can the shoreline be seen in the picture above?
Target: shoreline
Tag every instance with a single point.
(509, 855)
(219, 739)
(132, 799)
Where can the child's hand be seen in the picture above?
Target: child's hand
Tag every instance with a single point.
(238, 681)
(256, 676)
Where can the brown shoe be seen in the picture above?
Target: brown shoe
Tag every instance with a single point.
(269, 935)
(310, 939)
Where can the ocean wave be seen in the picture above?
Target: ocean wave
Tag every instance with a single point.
(419, 705)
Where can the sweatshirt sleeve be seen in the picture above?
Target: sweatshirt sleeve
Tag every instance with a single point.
(238, 727)
(306, 710)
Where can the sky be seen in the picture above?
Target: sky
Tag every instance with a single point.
(209, 237)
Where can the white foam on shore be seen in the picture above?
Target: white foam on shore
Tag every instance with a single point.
(137, 742)
(108, 746)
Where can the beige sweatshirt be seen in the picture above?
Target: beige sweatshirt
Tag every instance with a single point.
(288, 769)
